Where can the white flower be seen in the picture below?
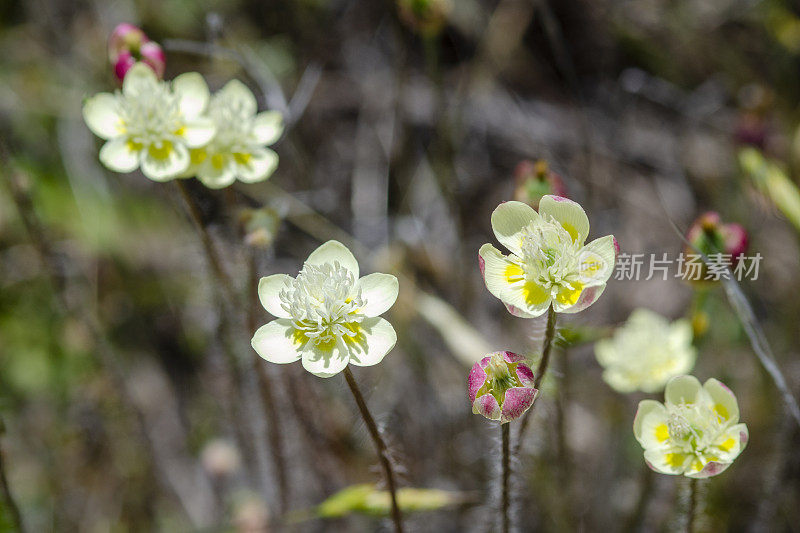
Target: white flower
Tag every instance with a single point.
(646, 352)
(238, 149)
(548, 262)
(327, 316)
(695, 432)
(151, 123)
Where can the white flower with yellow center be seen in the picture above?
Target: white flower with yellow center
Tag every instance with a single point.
(151, 124)
(548, 262)
(695, 432)
(327, 316)
(646, 352)
(238, 150)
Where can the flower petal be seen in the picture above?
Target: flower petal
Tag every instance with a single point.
(277, 342)
(241, 96)
(588, 296)
(269, 289)
(667, 462)
(379, 292)
(165, 162)
(508, 221)
(648, 416)
(567, 213)
(192, 90)
(326, 360)
(506, 281)
(140, 79)
(724, 402)
(682, 390)
(525, 375)
(376, 338)
(255, 166)
(597, 260)
(517, 401)
(475, 380)
(268, 127)
(119, 155)
(487, 406)
(217, 171)
(101, 116)
(198, 132)
(711, 468)
(333, 251)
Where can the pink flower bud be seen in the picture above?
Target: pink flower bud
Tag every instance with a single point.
(123, 64)
(129, 44)
(153, 56)
(534, 180)
(125, 38)
(711, 237)
(500, 386)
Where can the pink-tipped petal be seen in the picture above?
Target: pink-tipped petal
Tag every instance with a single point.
(525, 375)
(153, 55)
(487, 406)
(711, 469)
(511, 357)
(482, 267)
(736, 240)
(517, 401)
(475, 380)
(123, 65)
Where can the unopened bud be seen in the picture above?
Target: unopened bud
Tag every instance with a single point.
(500, 386)
(534, 180)
(128, 45)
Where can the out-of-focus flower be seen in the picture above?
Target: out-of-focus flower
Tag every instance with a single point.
(128, 45)
(238, 149)
(426, 17)
(151, 124)
(500, 386)
(250, 514)
(772, 180)
(646, 352)
(695, 432)
(260, 226)
(548, 262)
(327, 316)
(711, 237)
(220, 458)
(535, 180)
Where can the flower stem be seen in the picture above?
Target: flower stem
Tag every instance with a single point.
(383, 451)
(693, 506)
(8, 498)
(541, 370)
(504, 428)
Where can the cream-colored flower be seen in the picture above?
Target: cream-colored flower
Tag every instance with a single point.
(239, 148)
(695, 432)
(548, 262)
(327, 316)
(151, 124)
(646, 352)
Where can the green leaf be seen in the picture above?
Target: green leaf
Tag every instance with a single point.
(773, 182)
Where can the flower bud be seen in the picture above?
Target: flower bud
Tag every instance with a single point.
(220, 458)
(500, 386)
(534, 180)
(260, 226)
(125, 38)
(711, 237)
(128, 45)
(427, 17)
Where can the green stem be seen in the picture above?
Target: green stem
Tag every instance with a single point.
(8, 497)
(541, 370)
(383, 451)
(506, 519)
(693, 507)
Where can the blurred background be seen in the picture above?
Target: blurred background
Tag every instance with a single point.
(129, 395)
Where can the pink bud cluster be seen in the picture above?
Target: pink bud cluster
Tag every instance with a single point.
(128, 45)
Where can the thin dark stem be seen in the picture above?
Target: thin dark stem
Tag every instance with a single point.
(208, 245)
(8, 497)
(265, 386)
(541, 370)
(693, 507)
(506, 476)
(383, 451)
(639, 512)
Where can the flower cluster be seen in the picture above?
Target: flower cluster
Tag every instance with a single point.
(500, 386)
(178, 129)
(128, 45)
(549, 263)
(696, 432)
(646, 352)
(327, 316)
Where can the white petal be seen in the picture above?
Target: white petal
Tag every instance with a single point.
(649, 411)
(333, 251)
(255, 166)
(165, 163)
(139, 80)
(506, 281)
(589, 295)
(276, 342)
(238, 93)
(568, 213)
(379, 292)
(118, 155)
(268, 127)
(682, 389)
(268, 290)
(100, 114)
(724, 401)
(198, 132)
(668, 462)
(325, 361)
(508, 221)
(375, 339)
(193, 93)
(217, 171)
(597, 260)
